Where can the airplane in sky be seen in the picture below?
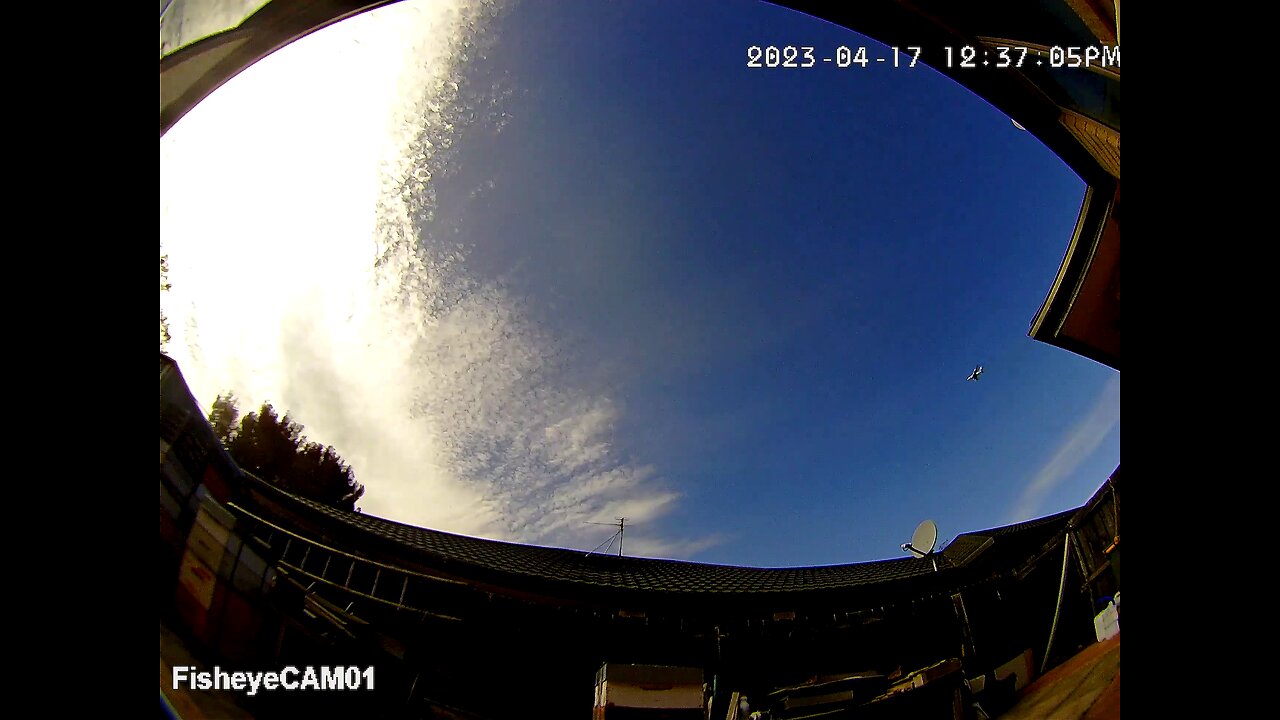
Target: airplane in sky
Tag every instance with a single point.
(977, 373)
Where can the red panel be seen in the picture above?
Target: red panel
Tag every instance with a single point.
(216, 484)
(240, 627)
(191, 611)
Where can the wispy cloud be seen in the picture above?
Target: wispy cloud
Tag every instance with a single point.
(1078, 444)
(673, 548)
(316, 289)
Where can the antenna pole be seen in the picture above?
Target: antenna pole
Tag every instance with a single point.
(622, 527)
(602, 545)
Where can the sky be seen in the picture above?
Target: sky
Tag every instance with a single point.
(534, 265)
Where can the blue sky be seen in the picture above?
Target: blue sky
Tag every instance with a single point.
(737, 305)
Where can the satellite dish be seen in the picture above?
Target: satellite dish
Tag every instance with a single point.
(922, 542)
(925, 537)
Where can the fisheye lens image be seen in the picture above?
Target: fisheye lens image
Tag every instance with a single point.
(639, 359)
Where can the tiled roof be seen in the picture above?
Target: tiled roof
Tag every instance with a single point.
(460, 553)
(463, 556)
(1008, 540)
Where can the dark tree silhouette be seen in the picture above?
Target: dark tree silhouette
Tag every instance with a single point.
(275, 449)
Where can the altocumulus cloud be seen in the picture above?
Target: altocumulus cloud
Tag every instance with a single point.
(300, 275)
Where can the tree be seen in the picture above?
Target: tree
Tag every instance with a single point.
(165, 337)
(275, 449)
(223, 417)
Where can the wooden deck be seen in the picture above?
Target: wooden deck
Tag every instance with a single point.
(1086, 687)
